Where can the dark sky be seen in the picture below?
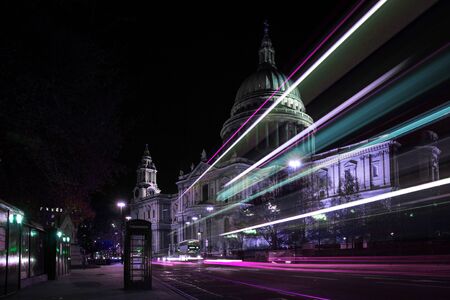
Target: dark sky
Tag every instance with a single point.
(104, 78)
(163, 75)
(187, 68)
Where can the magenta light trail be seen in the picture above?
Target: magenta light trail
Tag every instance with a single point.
(288, 78)
(329, 116)
(294, 85)
(354, 268)
(387, 195)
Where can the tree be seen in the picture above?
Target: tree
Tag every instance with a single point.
(59, 134)
(349, 222)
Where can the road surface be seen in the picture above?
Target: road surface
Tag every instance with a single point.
(225, 280)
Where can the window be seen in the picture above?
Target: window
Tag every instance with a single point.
(148, 214)
(153, 212)
(375, 169)
(322, 183)
(350, 170)
(205, 193)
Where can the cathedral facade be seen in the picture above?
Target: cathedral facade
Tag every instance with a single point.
(372, 170)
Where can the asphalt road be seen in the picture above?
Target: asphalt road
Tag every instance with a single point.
(313, 281)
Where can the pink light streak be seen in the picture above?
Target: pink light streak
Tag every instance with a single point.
(262, 105)
(321, 122)
(288, 78)
(386, 268)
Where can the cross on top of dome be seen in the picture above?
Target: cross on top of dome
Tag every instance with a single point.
(266, 51)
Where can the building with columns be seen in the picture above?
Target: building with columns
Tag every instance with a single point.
(369, 171)
(149, 204)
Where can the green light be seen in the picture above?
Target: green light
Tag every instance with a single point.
(250, 231)
(33, 233)
(321, 217)
(59, 234)
(68, 239)
(231, 236)
(19, 219)
(11, 218)
(64, 238)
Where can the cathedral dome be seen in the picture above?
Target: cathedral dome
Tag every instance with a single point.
(289, 117)
(267, 79)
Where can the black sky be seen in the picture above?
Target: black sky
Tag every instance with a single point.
(168, 73)
(187, 68)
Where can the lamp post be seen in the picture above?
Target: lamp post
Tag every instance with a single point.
(121, 205)
(208, 229)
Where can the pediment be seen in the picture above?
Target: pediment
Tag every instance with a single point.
(198, 170)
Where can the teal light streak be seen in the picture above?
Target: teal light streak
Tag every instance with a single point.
(407, 127)
(405, 90)
(403, 129)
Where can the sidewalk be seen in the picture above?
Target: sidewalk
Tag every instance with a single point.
(99, 283)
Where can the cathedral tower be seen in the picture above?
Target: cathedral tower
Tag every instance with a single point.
(146, 185)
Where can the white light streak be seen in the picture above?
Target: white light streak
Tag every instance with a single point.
(387, 195)
(292, 87)
(329, 116)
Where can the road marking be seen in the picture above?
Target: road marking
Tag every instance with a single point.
(382, 278)
(314, 277)
(178, 291)
(427, 280)
(279, 291)
(196, 287)
(412, 284)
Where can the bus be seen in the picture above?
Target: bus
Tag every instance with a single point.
(189, 249)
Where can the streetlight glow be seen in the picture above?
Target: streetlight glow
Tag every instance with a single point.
(128, 218)
(121, 204)
(294, 163)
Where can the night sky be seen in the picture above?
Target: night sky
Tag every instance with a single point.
(133, 75)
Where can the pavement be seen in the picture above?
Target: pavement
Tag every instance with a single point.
(103, 283)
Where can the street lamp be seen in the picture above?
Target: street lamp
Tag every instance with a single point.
(294, 163)
(128, 218)
(121, 205)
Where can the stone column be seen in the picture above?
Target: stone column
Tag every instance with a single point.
(277, 135)
(286, 128)
(368, 173)
(386, 168)
(256, 136)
